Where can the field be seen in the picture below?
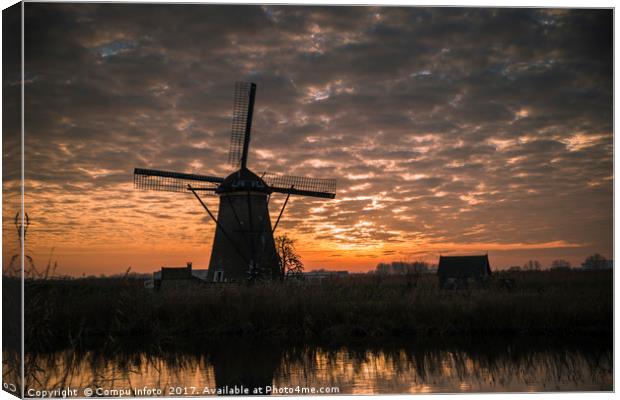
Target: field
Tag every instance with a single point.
(118, 312)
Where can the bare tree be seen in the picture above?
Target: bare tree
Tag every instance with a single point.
(532, 265)
(289, 261)
(560, 264)
(595, 261)
(402, 268)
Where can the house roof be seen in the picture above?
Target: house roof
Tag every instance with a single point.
(176, 273)
(180, 273)
(464, 266)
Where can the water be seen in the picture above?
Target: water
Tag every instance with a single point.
(345, 370)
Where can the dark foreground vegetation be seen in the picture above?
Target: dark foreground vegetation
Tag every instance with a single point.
(108, 312)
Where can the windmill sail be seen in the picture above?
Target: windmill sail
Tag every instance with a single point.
(242, 123)
(166, 181)
(300, 185)
(243, 245)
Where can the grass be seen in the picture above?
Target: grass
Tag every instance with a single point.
(117, 312)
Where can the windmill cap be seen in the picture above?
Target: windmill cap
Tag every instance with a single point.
(243, 180)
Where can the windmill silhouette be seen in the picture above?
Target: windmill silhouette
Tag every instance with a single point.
(243, 247)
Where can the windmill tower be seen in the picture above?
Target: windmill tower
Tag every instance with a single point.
(243, 246)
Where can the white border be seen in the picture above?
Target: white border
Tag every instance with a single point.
(479, 3)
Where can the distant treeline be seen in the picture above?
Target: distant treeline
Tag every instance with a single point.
(592, 262)
(404, 268)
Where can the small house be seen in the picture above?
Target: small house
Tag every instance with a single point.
(178, 277)
(461, 269)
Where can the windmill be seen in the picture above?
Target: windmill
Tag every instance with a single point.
(243, 246)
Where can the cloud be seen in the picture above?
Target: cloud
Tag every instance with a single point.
(471, 128)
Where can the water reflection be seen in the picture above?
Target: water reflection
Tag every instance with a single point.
(353, 370)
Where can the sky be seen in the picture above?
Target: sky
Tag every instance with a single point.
(449, 130)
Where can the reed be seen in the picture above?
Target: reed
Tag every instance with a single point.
(113, 313)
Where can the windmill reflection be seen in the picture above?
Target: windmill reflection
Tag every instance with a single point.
(249, 365)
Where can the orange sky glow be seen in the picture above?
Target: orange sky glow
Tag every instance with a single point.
(446, 135)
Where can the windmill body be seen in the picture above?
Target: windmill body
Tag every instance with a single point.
(243, 245)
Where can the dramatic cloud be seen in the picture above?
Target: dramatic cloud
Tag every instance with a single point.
(449, 130)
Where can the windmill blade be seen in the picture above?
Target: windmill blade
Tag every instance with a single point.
(300, 185)
(166, 181)
(243, 108)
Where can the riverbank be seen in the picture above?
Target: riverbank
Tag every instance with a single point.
(103, 312)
